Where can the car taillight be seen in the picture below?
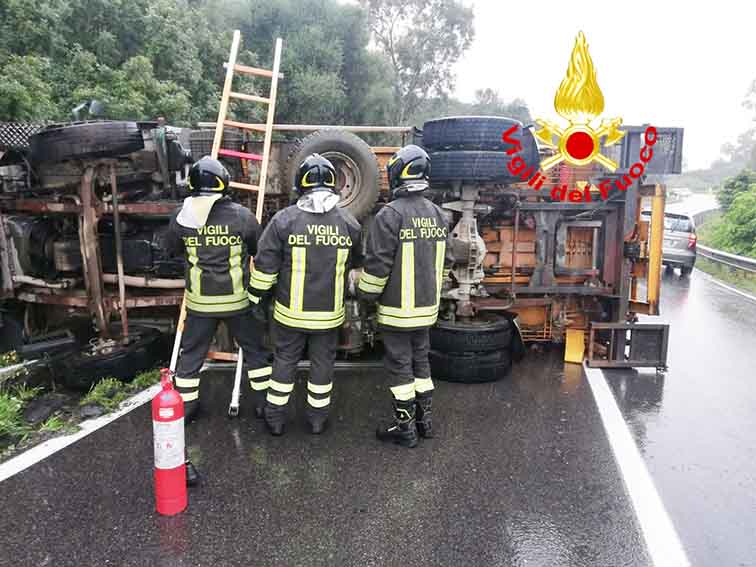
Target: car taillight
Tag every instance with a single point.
(692, 239)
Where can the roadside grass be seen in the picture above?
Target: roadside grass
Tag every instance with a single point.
(11, 416)
(706, 231)
(109, 392)
(737, 279)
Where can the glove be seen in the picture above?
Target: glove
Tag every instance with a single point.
(259, 306)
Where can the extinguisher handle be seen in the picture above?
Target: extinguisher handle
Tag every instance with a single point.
(165, 378)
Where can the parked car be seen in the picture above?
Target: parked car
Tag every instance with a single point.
(679, 247)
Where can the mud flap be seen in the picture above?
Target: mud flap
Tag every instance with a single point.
(575, 349)
(626, 345)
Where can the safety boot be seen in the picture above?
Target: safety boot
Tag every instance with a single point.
(192, 476)
(317, 419)
(275, 418)
(423, 408)
(258, 399)
(402, 430)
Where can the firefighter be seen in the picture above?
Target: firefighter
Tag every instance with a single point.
(306, 252)
(218, 237)
(405, 264)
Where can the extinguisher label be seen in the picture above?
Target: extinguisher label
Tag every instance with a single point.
(165, 412)
(169, 443)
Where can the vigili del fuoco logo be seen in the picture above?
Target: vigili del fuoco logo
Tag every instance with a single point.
(580, 102)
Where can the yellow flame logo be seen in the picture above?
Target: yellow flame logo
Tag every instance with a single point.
(579, 100)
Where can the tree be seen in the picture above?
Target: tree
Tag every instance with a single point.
(734, 186)
(422, 40)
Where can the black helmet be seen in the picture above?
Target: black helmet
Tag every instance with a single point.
(314, 173)
(209, 176)
(409, 166)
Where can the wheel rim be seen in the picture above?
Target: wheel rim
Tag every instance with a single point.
(348, 176)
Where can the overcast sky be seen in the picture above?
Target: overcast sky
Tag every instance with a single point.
(666, 62)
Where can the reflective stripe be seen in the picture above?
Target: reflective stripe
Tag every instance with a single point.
(281, 387)
(440, 253)
(404, 392)
(277, 400)
(190, 396)
(253, 298)
(262, 281)
(216, 304)
(187, 382)
(423, 385)
(260, 372)
(319, 388)
(407, 322)
(414, 312)
(306, 323)
(309, 315)
(371, 279)
(298, 269)
(259, 386)
(408, 275)
(370, 288)
(338, 295)
(316, 403)
(235, 269)
(195, 272)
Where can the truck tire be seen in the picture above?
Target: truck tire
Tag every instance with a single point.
(11, 330)
(85, 140)
(357, 173)
(482, 334)
(472, 133)
(482, 166)
(143, 352)
(471, 367)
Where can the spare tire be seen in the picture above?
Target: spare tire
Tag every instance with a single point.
(479, 166)
(144, 349)
(471, 367)
(357, 173)
(472, 133)
(85, 140)
(484, 333)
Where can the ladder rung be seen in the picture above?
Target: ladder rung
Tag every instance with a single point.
(249, 97)
(253, 71)
(244, 186)
(240, 155)
(226, 356)
(244, 125)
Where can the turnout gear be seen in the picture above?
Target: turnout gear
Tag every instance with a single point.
(423, 409)
(217, 243)
(195, 343)
(217, 252)
(315, 173)
(408, 170)
(402, 429)
(306, 252)
(407, 260)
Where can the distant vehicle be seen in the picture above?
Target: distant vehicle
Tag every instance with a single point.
(679, 248)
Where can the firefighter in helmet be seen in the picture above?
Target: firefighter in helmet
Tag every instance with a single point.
(218, 237)
(306, 252)
(405, 264)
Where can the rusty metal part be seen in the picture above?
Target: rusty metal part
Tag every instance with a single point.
(516, 233)
(119, 253)
(165, 208)
(62, 283)
(6, 276)
(627, 345)
(90, 249)
(145, 281)
(41, 206)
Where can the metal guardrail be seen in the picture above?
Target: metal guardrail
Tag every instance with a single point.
(731, 260)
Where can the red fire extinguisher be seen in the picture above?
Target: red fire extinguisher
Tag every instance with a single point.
(168, 431)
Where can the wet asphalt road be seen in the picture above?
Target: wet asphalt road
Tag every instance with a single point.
(521, 474)
(696, 425)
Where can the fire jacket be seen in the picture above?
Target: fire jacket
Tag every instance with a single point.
(217, 254)
(406, 262)
(307, 256)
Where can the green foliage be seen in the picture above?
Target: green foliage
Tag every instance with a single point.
(11, 419)
(734, 186)
(422, 39)
(52, 424)
(8, 359)
(736, 233)
(108, 393)
(145, 379)
(26, 394)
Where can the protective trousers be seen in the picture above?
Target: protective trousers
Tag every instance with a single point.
(406, 362)
(195, 343)
(290, 347)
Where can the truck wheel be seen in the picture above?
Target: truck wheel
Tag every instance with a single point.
(470, 367)
(144, 351)
(484, 333)
(357, 172)
(472, 133)
(88, 139)
(482, 166)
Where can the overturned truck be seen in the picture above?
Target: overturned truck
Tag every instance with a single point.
(84, 209)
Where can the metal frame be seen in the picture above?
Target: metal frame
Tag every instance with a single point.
(619, 341)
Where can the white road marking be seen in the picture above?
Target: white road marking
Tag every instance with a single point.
(662, 541)
(714, 280)
(44, 450)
